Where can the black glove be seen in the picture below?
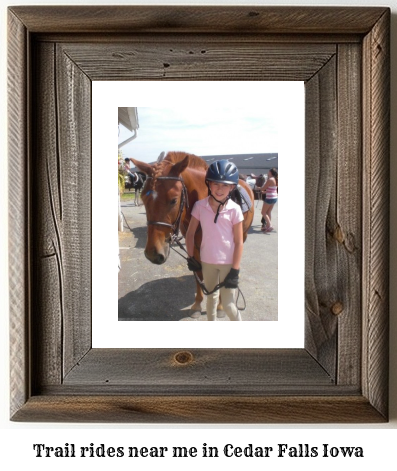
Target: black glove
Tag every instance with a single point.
(231, 280)
(193, 264)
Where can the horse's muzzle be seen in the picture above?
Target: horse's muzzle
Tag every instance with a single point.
(156, 257)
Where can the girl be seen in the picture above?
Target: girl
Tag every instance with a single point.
(222, 241)
(270, 189)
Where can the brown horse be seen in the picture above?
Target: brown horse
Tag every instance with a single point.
(173, 186)
(259, 182)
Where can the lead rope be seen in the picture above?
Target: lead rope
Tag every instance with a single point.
(177, 240)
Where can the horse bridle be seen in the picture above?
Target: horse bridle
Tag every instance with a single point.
(184, 201)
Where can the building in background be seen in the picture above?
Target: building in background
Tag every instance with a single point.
(248, 164)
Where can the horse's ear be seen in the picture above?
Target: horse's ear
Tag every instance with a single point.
(143, 167)
(179, 167)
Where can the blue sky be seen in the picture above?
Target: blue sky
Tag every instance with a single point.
(201, 130)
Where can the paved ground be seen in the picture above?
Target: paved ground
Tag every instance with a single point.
(166, 292)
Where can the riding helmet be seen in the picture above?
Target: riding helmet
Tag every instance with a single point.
(222, 171)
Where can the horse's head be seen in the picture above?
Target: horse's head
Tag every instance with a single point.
(260, 181)
(162, 196)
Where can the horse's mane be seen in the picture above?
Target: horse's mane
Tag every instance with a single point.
(173, 158)
(194, 160)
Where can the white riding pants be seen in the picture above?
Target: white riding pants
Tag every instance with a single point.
(212, 275)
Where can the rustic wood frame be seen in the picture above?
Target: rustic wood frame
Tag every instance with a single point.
(343, 56)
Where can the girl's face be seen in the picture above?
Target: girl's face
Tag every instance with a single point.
(220, 190)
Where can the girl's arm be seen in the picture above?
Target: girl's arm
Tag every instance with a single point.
(238, 245)
(269, 182)
(191, 230)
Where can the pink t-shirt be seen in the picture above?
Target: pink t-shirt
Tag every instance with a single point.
(217, 244)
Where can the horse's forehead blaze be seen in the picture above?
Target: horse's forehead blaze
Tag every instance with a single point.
(150, 192)
(154, 202)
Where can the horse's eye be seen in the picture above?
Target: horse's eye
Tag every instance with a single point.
(173, 201)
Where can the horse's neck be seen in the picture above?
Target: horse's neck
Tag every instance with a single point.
(194, 180)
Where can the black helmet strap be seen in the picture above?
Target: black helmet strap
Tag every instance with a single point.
(221, 203)
(219, 208)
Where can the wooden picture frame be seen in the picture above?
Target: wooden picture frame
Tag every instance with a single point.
(342, 54)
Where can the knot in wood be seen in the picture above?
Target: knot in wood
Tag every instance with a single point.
(183, 358)
(338, 235)
(337, 308)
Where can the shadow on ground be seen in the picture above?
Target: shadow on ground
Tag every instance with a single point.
(159, 300)
(140, 234)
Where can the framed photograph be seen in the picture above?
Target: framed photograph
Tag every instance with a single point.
(340, 375)
(197, 116)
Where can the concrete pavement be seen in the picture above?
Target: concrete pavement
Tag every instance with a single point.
(166, 292)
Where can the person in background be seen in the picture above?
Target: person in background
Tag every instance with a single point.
(127, 165)
(270, 192)
(135, 179)
(221, 221)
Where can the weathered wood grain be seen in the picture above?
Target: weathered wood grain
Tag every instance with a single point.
(376, 142)
(48, 279)
(199, 409)
(73, 90)
(225, 59)
(19, 217)
(320, 174)
(206, 368)
(341, 375)
(333, 215)
(62, 207)
(199, 19)
(346, 228)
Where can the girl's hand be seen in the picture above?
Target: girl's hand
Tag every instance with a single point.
(231, 280)
(193, 264)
